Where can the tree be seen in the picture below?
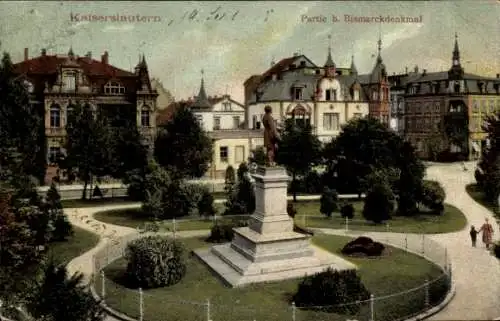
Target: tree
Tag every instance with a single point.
(206, 204)
(182, 144)
(347, 210)
(242, 200)
(328, 201)
(21, 124)
(242, 171)
(62, 228)
(378, 205)
(258, 156)
(409, 186)
(363, 146)
(433, 195)
(230, 179)
(489, 164)
(88, 144)
(298, 150)
(129, 153)
(59, 297)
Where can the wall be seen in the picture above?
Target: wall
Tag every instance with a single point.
(231, 148)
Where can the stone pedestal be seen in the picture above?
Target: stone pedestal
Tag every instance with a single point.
(268, 249)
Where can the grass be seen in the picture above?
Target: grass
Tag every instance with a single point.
(308, 212)
(81, 241)
(77, 203)
(475, 192)
(395, 272)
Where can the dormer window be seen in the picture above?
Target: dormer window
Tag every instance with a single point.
(226, 106)
(318, 72)
(302, 63)
(114, 88)
(69, 79)
(297, 93)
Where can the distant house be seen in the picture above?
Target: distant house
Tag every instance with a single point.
(57, 82)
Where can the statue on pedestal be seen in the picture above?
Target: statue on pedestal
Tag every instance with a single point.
(271, 136)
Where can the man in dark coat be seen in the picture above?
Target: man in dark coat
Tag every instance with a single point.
(271, 136)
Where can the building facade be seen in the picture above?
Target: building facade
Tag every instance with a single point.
(326, 97)
(57, 82)
(445, 111)
(223, 119)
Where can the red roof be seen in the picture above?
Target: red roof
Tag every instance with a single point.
(166, 114)
(50, 64)
(280, 66)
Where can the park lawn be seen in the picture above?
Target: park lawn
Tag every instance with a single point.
(81, 241)
(396, 272)
(478, 196)
(79, 203)
(451, 220)
(308, 215)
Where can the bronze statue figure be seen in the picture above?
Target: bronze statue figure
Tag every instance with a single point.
(271, 136)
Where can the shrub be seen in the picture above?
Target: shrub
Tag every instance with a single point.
(479, 176)
(363, 245)
(62, 228)
(290, 209)
(438, 290)
(221, 233)
(378, 205)
(432, 196)
(230, 178)
(328, 201)
(330, 289)
(242, 199)
(347, 210)
(155, 261)
(206, 204)
(97, 192)
(496, 249)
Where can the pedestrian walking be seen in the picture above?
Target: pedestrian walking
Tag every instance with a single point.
(487, 230)
(473, 235)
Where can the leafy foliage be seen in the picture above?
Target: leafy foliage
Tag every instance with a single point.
(328, 202)
(206, 204)
(59, 297)
(347, 210)
(230, 179)
(183, 145)
(155, 261)
(363, 245)
(378, 205)
(242, 200)
(242, 171)
(88, 142)
(433, 196)
(290, 210)
(258, 156)
(298, 150)
(496, 249)
(220, 233)
(62, 228)
(331, 289)
(411, 176)
(21, 125)
(490, 159)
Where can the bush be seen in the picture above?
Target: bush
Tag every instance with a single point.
(496, 249)
(433, 196)
(155, 261)
(291, 210)
(62, 228)
(479, 176)
(221, 233)
(438, 290)
(242, 200)
(347, 210)
(378, 205)
(206, 204)
(363, 245)
(332, 288)
(328, 201)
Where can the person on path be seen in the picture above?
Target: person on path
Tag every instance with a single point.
(487, 230)
(473, 235)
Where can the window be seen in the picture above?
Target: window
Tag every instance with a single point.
(145, 117)
(223, 154)
(302, 63)
(375, 95)
(239, 155)
(328, 94)
(69, 80)
(216, 123)
(114, 88)
(331, 121)
(254, 122)
(236, 122)
(456, 87)
(297, 93)
(356, 94)
(54, 154)
(226, 106)
(357, 115)
(55, 116)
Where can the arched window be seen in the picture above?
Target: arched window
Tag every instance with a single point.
(55, 116)
(300, 115)
(114, 88)
(145, 116)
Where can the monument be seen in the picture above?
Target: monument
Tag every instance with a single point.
(269, 249)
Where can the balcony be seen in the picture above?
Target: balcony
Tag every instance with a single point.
(55, 131)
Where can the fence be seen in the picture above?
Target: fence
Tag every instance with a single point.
(139, 304)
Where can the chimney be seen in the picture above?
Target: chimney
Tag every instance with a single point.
(105, 58)
(26, 54)
(296, 54)
(44, 52)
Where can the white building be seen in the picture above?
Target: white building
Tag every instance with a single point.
(295, 87)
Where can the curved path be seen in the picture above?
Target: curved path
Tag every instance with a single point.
(476, 273)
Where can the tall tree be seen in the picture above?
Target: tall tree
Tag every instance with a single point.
(60, 297)
(129, 153)
(88, 144)
(490, 159)
(298, 150)
(364, 145)
(182, 144)
(21, 125)
(62, 228)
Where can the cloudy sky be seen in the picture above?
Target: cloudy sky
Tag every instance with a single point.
(233, 40)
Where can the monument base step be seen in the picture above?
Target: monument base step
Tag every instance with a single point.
(237, 270)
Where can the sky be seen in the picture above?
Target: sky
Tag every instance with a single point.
(231, 41)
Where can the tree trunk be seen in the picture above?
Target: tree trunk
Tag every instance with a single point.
(294, 190)
(84, 193)
(90, 188)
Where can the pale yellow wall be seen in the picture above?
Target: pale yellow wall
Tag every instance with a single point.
(231, 146)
